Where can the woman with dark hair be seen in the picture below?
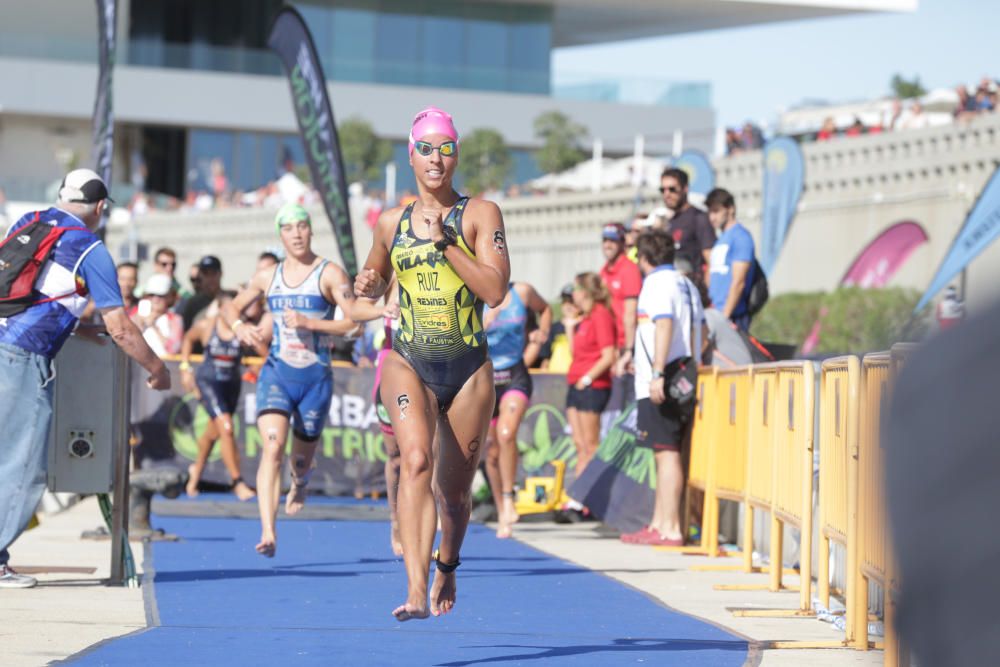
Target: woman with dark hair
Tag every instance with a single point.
(449, 254)
(592, 338)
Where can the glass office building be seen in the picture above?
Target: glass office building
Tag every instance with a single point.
(439, 43)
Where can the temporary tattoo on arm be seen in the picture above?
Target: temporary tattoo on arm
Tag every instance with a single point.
(499, 242)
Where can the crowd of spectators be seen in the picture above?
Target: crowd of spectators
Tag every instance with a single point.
(967, 103)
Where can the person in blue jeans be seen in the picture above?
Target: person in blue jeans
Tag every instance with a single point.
(78, 269)
(731, 269)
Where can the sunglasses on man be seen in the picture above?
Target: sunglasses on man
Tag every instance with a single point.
(672, 189)
(447, 149)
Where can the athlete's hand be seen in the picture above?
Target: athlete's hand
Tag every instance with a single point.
(435, 225)
(187, 381)
(391, 311)
(248, 334)
(160, 380)
(296, 320)
(369, 284)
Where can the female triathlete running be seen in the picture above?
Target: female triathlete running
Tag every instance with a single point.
(449, 254)
(512, 352)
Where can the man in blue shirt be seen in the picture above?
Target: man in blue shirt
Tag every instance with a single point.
(731, 269)
(79, 268)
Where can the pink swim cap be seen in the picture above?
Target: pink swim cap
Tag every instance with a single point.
(432, 121)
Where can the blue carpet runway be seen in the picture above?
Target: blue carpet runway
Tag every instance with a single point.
(326, 598)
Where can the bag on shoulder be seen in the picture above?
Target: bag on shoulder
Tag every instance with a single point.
(759, 292)
(22, 256)
(680, 377)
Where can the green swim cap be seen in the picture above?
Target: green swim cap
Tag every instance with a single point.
(290, 213)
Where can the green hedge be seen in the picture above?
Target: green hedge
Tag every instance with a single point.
(855, 320)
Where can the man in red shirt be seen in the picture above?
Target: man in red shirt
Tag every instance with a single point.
(623, 280)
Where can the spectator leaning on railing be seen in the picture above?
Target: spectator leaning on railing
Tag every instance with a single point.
(78, 267)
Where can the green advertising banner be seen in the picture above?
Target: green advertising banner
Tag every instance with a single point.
(351, 454)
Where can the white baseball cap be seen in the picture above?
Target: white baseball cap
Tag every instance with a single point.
(159, 284)
(83, 186)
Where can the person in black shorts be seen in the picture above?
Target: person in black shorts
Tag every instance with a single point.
(217, 384)
(670, 326)
(512, 349)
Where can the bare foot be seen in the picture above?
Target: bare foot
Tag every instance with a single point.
(194, 476)
(296, 498)
(510, 511)
(267, 546)
(397, 543)
(443, 592)
(410, 611)
(242, 491)
(508, 517)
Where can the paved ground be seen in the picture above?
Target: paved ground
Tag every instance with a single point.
(71, 610)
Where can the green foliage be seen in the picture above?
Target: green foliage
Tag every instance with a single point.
(904, 89)
(853, 319)
(787, 318)
(561, 139)
(484, 160)
(364, 153)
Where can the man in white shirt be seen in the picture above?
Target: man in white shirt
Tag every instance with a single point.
(670, 326)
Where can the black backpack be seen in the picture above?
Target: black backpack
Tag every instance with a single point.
(759, 293)
(22, 256)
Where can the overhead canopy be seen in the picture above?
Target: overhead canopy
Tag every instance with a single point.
(578, 22)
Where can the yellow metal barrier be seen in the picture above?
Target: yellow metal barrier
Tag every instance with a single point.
(760, 452)
(718, 450)
(701, 435)
(840, 395)
(782, 411)
(871, 502)
(727, 461)
(875, 555)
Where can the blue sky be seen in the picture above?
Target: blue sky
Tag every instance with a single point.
(756, 71)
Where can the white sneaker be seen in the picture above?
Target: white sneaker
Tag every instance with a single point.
(11, 579)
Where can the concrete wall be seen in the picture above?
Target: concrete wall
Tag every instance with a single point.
(855, 188)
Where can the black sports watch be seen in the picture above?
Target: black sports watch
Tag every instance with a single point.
(450, 238)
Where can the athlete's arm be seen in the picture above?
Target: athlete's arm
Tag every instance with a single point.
(195, 333)
(488, 274)
(230, 312)
(335, 286)
(364, 309)
(373, 279)
(538, 337)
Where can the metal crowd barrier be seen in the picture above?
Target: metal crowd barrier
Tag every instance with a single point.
(753, 443)
(784, 421)
(840, 397)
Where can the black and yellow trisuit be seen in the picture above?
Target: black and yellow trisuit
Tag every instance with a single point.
(441, 321)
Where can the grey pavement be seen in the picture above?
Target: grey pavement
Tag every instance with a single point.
(72, 608)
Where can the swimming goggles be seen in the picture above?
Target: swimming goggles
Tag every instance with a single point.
(447, 149)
